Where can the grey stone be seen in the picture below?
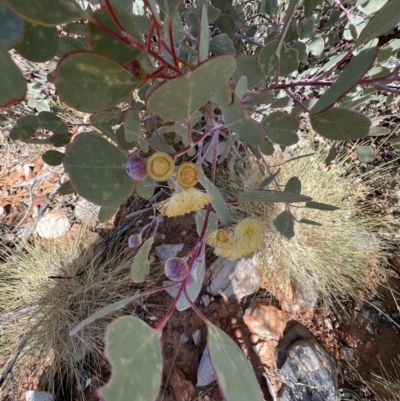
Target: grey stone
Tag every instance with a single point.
(234, 279)
(328, 324)
(184, 338)
(309, 373)
(196, 337)
(376, 312)
(346, 353)
(87, 212)
(205, 373)
(305, 293)
(206, 300)
(166, 251)
(32, 395)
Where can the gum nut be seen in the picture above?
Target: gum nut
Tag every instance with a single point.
(136, 168)
(160, 166)
(176, 269)
(134, 240)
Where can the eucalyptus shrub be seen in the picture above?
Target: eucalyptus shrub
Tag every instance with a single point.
(218, 80)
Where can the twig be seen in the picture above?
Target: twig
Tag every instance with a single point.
(39, 177)
(289, 92)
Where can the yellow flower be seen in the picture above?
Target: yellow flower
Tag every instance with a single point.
(246, 238)
(184, 201)
(160, 166)
(187, 175)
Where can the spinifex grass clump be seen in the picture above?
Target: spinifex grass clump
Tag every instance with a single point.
(47, 289)
(212, 74)
(338, 246)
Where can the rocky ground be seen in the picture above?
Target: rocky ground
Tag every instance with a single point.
(303, 352)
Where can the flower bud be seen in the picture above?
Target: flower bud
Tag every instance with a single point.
(136, 168)
(176, 269)
(134, 241)
(160, 166)
(187, 175)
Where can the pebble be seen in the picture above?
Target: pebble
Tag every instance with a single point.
(32, 395)
(184, 338)
(370, 329)
(376, 312)
(346, 353)
(196, 337)
(166, 251)
(52, 225)
(206, 300)
(265, 320)
(328, 324)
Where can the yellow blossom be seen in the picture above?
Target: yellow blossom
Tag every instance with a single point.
(184, 201)
(246, 238)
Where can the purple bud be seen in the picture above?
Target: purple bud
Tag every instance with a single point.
(176, 269)
(134, 240)
(136, 168)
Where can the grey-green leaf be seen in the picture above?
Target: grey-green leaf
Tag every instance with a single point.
(348, 78)
(218, 201)
(11, 27)
(316, 46)
(132, 125)
(105, 214)
(269, 61)
(38, 43)
(52, 122)
(140, 267)
(309, 5)
(269, 179)
(145, 188)
(180, 97)
(47, 12)
(66, 188)
(310, 222)
(268, 196)
(12, 82)
(261, 98)
(235, 376)
(226, 24)
(221, 44)
(341, 124)
(97, 170)
(250, 67)
(212, 221)
(91, 82)
(321, 206)
(237, 120)
(169, 7)
(385, 19)
(293, 185)
(134, 351)
(281, 128)
(52, 157)
(365, 153)
(106, 311)
(284, 224)
(204, 39)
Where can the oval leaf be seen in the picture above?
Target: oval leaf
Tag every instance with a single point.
(105, 214)
(348, 78)
(293, 185)
(281, 128)
(365, 153)
(235, 376)
(52, 157)
(179, 98)
(97, 170)
(140, 267)
(321, 206)
(12, 82)
(341, 124)
(47, 12)
(132, 125)
(66, 188)
(91, 82)
(268, 196)
(222, 44)
(250, 68)
(52, 122)
(134, 352)
(284, 224)
(11, 27)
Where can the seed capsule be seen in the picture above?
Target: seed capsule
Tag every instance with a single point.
(134, 241)
(136, 168)
(176, 269)
(160, 166)
(187, 175)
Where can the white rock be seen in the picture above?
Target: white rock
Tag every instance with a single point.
(52, 225)
(86, 211)
(206, 300)
(167, 251)
(234, 279)
(32, 395)
(196, 337)
(205, 373)
(184, 338)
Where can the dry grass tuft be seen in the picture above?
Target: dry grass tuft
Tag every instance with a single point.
(342, 256)
(390, 380)
(51, 307)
